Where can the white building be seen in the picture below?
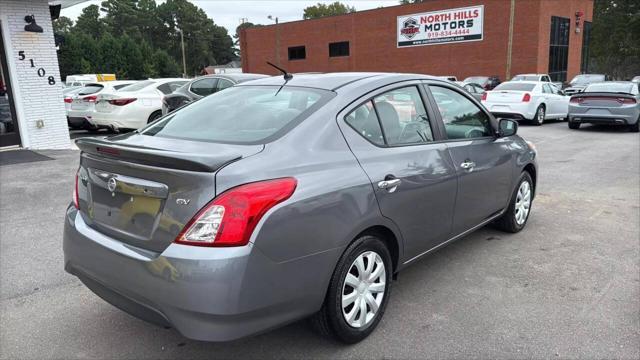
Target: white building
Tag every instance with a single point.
(32, 112)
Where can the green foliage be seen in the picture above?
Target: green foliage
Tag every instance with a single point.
(615, 43)
(137, 39)
(321, 10)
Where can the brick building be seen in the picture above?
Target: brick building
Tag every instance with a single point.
(32, 112)
(438, 37)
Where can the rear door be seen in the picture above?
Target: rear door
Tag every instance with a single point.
(396, 142)
(483, 162)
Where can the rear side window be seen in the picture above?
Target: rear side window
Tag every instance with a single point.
(241, 115)
(168, 88)
(515, 86)
(118, 87)
(223, 84)
(364, 121)
(462, 118)
(204, 87)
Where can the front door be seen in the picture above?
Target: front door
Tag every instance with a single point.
(484, 164)
(9, 133)
(394, 139)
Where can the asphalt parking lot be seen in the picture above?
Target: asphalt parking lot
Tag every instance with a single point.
(568, 286)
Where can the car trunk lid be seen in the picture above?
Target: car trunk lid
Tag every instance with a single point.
(603, 100)
(142, 191)
(505, 96)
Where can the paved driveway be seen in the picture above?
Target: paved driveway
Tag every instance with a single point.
(568, 286)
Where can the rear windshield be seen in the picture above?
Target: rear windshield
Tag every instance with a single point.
(586, 79)
(138, 86)
(610, 87)
(241, 115)
(90, 89)
(514, 86)
(526, 78)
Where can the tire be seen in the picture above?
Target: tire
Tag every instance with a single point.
(154, 115)
(330, 320)
(635, 127)
(509, 222)
(538, 118)
(574, 125)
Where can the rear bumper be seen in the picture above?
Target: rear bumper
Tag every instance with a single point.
(511, 111)
(210, 294)
(114, 120)
(612, 119)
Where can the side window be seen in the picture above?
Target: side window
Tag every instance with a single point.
(403, 117)
(462, 118)
(546, 78)
(204, 87)
(546, 89)
(165, 88)
(365, 122)
(223, 84)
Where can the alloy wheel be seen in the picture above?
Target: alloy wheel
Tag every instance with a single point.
(540, 118)
(523, 202)
(363, 289)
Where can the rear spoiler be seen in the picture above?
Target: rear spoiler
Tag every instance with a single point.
(155, 157)
(603, 94)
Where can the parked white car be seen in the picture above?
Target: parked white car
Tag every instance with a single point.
(133, 106)
(532, 77)
(536, 101)
(81, 104)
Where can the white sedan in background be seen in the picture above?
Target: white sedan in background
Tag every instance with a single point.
(133, 106)
(536, 101)
(80, 104)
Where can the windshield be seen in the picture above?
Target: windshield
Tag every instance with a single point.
(526, 78)
(476, 79)
(515, 86)
(241, 115)
(610, 87)
(586, 79)
(138, 86)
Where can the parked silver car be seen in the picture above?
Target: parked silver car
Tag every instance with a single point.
(276, 200)
(606, 103)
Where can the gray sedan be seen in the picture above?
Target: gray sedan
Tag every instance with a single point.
(606, 103)
(277, 200)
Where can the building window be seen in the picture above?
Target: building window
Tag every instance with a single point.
(559, 48)
(339, 49)
(586, 40)
(297, 53)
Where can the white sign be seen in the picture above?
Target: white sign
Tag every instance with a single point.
(441, 27)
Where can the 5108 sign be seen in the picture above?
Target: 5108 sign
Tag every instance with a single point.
(41, 71)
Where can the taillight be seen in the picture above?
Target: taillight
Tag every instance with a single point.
(576, 100)
(90, 98)
(484, 96)
(68, 100)
(626, 101)
(526, 97)
(229, 220)
(76, 202)
(122, 102)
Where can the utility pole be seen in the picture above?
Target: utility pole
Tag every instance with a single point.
(277, 38)
(510, 41)
(184, 61)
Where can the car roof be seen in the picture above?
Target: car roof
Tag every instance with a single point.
(526, 82)
(334, 81)
(235, 77)
(530, 74)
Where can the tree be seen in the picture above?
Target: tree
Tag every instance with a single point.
(615, 45)
(62, 25)
(165, 65)
(89, 22)
(321, 10)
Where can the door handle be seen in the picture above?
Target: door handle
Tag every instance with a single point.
(390, 185)
(468, 165)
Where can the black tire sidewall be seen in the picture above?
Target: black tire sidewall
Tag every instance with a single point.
(341, 329)
(537, 115)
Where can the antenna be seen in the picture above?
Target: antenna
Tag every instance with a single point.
(287, 76)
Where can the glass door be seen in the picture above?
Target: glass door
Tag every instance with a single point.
(9, 133)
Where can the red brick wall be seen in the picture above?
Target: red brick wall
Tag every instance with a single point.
(372, 37)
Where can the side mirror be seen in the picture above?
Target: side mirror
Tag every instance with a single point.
(507, 127)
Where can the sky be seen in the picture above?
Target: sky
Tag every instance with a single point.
(230, 13)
